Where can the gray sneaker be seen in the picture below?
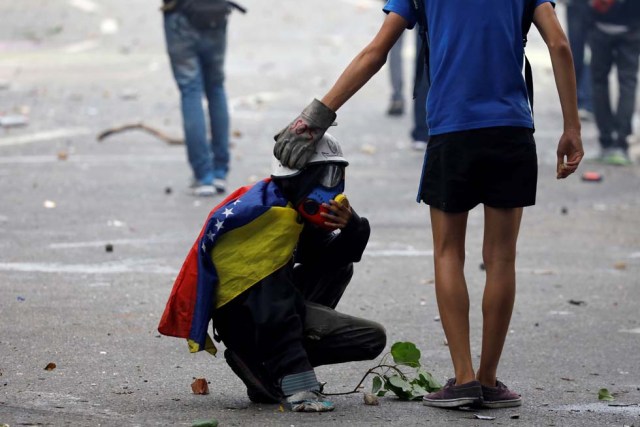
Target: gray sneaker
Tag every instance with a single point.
(204, 190)
(220, 185)
(500, 397)
(455, 396)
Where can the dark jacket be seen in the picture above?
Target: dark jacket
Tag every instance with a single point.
(265, 325)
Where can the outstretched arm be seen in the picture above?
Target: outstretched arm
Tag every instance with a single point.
(366, 63)
(295, 144)
(570, 152)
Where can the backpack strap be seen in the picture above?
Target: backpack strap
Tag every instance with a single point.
(527, 20)
(422, 67)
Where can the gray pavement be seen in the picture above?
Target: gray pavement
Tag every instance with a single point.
(78, 67)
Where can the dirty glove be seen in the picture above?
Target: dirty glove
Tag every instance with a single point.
(296, 143)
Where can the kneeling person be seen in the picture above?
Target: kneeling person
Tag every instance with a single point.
(269, 268)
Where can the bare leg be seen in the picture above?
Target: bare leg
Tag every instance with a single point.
(449, 231)
(501, 228)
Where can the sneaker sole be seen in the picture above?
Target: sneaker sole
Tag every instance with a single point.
(453, 403)
(502, 404)
(204, 192)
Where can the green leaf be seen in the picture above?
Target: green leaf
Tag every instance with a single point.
(399, 382)
(381, 393)
(418, 391)
(427, 381)
(399, 386)
(377, 384)
(405, 353)
(603, 394)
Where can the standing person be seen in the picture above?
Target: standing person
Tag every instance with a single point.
(615, 40)
(481, 151)
(420, 130)
(196, 37)
(269, 270)
(579, 23)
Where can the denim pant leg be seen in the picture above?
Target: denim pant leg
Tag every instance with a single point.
(628, 50)
(396, 70)
(420, 131)
(601, 62)
(578, 24)
(212, 56)
(182, 43)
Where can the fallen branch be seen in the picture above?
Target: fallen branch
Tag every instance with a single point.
(153, 131)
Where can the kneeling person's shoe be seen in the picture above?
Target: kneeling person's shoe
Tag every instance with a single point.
(258, 389)
(500, 397)
(455, 396)
(309, 401)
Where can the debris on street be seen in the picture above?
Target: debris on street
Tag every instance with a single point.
(132, 126)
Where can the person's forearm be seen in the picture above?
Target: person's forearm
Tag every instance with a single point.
(359, 71)
(565, 78)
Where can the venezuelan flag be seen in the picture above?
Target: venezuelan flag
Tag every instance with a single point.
(248, 236)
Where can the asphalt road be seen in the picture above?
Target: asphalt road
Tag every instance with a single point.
(78, 67)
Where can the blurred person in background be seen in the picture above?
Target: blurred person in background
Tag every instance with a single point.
(196, 37)
(615, 41)
(420, 130)
(579, 23)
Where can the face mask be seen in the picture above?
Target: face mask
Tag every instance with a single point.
(329, 185)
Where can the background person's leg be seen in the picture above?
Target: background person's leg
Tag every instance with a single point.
(420, 131)
(579, 23)
(181, 45)
(601, 62)
(627, 65)
(501, 228)
(212, 58)
(449, 231)
(396, 106)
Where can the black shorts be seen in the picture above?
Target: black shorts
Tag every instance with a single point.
(495, 166)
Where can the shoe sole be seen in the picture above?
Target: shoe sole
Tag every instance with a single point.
(616, 162)
(502, 404)
(453, 403)
(204, 192)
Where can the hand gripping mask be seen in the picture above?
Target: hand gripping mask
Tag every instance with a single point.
(320, 181)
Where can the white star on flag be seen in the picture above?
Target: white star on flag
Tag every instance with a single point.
(204, 248)
(236, 202)
(211, 235)
(219, 224)
(227, 212)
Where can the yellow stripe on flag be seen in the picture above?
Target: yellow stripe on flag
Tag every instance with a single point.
(246, 255)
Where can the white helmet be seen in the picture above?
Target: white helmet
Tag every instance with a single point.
(328, 150)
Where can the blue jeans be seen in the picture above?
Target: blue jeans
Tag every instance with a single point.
(579, 23)
(197, 62)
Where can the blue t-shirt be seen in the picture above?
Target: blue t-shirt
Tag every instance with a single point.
(476, 63)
